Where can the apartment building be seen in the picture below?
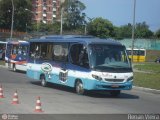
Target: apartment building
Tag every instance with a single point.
(46, 11)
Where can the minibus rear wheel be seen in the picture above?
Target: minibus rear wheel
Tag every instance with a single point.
(43, 81)
(79, 87)
(14, 68)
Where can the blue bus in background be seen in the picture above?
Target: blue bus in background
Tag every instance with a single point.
(16, 55)
(81, 62)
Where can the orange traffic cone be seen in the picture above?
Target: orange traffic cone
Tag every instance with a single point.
(1, 92)
(15, 98)
(38, 105)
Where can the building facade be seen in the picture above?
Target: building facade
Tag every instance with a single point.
(46, 11)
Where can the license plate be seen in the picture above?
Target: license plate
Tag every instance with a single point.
(115, 86)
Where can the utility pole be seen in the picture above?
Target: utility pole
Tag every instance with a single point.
(34, 16)
(61, 19)
(85, 29)
(133, 28)
(12, 20)
(61, 30)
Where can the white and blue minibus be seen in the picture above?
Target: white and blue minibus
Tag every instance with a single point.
(82, 62)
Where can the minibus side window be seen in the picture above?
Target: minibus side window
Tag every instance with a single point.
(41, 51)
(79, 55)
(60, 52)
(34, 51)
(46, 51)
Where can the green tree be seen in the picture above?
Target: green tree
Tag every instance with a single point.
(73, 14)
(100, 27)
(55, 27)
(142, 31)
(21, 17)
(124, 31)
(157, 34)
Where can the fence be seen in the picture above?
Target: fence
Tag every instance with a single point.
(5, 33)
(149, 44)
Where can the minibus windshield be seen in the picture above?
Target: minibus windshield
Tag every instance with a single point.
(108, 57)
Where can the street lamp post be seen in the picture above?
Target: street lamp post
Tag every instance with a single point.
(61, 30)
(133, 28)
(85, 29)
(26, 27)
(35, 17)
(12, 20)
(61, 19)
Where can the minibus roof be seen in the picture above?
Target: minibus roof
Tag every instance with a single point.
(75, 38)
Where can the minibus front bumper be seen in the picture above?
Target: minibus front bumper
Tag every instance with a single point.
(97, 85)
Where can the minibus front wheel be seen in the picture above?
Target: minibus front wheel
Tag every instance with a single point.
(43, 81)
(79, 87)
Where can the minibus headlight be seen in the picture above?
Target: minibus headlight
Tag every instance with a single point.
(130, 78)
(96, 77)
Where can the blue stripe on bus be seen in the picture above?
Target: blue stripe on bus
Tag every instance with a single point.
(88, 84)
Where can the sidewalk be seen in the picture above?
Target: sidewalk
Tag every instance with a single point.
(3, 66)
(149, 90)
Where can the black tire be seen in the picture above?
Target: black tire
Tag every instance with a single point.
(115, 93)
(43, 81)
(14, 68)
(79, 88)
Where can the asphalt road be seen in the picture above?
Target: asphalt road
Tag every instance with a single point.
(62, 100)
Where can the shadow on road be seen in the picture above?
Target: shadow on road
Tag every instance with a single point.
(94, 94)
(18, 71)
(106, 94)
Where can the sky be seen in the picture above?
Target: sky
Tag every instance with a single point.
(120, 12)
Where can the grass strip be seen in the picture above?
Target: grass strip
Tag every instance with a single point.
(147, 80)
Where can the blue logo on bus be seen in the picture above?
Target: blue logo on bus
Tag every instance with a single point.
(46, 67)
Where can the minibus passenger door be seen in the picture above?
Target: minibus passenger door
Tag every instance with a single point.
(63, 58)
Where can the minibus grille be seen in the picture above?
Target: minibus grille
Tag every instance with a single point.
(114, 80)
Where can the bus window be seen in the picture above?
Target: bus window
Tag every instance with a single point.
(14, 50)
(34, 51)
(46, 51)
(107, 56)
(135, 52)
(24, 50)
(79, 55)
(141, 53)
(60, 52)
(41, 51)
(129, 52)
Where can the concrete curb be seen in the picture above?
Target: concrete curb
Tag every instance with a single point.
(3, 66)
(147, 89)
